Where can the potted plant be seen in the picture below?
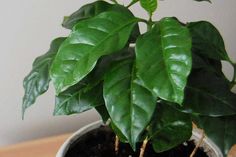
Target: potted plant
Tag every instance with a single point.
(149, 88)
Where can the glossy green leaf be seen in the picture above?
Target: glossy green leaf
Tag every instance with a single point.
(221, 130)
(85, 12)
(130, 105)
(87, 93)
(208, 94)
(76, 100)
(164, 59)
(169, 128)
(90, 39)
(37, 81)
(207, 40)
(149, 5)
(92, 9)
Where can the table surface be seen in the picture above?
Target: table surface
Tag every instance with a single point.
(46, 147)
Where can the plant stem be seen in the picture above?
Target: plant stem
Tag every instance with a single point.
(198, 144)
(143, 148)
(150, 23)
(131, 3)
(233, 82)
(117, 145)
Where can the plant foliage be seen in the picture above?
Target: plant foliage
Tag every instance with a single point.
(153, 90)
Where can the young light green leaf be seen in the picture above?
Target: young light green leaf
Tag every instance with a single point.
(76, 100)
(208, 94)
(90, 39)
(130, 105)
(220, 130)
(37, 81)
(149, 5)
(169, 128)
(207, 40)
(164, 59)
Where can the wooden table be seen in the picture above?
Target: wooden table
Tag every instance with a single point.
(46, 147)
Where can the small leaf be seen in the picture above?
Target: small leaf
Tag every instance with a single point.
(164, 59)
(220, 130)
(207, 40)
(37, 81)
(130, 105)
(149, 5)
(208, 94)
(90, 39)
(76, 100)
(169, 128)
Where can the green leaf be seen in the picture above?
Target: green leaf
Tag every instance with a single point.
(95, 8)
(149, 5)
(85, 12)
(164, 59)
(90, 39)
(207, 40)
(220, 130)
(37, 81)
(76, 100)
(201, 62)
(88, 92)
(208, 94)
(169, 128)
(130, 105)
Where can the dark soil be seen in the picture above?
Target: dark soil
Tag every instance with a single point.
(100, 143)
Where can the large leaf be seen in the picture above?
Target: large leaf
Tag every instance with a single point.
(207, 40)
(90, 39)
(130, 105)
(169, 128)
(149, 5)
(164, 59)
(37, 81)
(95, 8)
(208, 94)
(76, 100)
(88, 92)
(221, 130)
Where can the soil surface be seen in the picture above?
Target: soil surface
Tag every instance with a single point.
(100, 143)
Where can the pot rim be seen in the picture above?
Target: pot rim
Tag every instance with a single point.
(210, 147)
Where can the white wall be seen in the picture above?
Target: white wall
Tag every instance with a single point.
(26, 29)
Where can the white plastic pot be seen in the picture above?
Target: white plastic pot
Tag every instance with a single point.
(209, 147)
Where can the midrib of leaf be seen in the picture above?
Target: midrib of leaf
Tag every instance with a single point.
(164, 60)
(131, 101)
(211, 95)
